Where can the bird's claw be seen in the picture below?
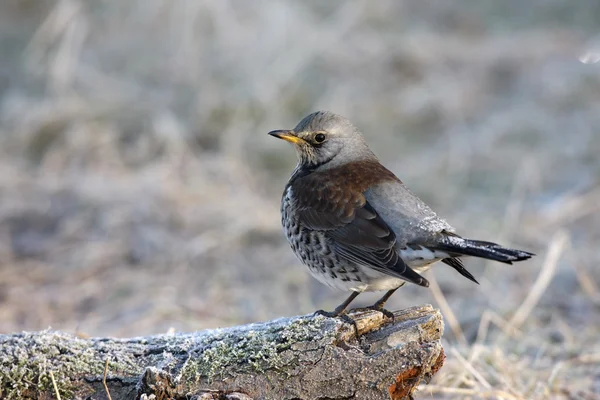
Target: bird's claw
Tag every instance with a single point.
(341, 315)
(385, 312)
(328, 314)
(379, 308)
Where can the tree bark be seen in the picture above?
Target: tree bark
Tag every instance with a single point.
(307, 357)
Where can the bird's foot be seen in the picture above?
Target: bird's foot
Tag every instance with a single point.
(379, 307)
(328, 314)
(339, 314)
(336, 314)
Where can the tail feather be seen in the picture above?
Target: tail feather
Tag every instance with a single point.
(457, 246)
(457, 264)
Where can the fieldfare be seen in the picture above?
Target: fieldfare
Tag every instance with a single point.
(355, 225)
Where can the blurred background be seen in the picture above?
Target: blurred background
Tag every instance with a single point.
(139, 191)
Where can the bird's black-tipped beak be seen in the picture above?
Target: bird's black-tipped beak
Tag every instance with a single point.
(289, 136)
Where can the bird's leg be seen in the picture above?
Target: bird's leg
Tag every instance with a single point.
(341, 309)
(378, 306)
(381, 302)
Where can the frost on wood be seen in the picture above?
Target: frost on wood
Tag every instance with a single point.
(305, 357)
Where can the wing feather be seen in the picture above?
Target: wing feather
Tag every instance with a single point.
(358, 231)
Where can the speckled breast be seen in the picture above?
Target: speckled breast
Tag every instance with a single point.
(314, 249)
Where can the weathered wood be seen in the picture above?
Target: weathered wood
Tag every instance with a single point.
(307, 357)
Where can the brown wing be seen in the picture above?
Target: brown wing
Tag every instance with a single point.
(358, 232)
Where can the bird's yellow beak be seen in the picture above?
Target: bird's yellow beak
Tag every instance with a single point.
(289, 136)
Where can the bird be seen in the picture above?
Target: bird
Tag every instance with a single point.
(356, 226)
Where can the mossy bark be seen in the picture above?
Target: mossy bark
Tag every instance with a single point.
(307, 357)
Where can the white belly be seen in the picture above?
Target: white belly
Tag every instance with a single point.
(421, 259)
(379, 281)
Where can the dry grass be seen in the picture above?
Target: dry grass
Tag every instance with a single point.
(139, 192)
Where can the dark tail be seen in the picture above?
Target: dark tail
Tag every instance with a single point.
(457, 246)
(457, 264)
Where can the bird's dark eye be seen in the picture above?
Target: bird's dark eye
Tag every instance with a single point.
(319, 138)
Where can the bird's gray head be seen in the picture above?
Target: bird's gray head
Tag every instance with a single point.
(325, 140)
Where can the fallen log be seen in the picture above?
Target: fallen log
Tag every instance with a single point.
(306, 357)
